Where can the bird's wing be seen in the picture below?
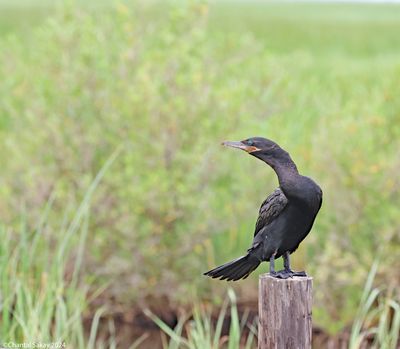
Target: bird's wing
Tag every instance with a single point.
(271, 208)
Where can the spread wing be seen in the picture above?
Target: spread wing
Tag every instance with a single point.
(271, 208)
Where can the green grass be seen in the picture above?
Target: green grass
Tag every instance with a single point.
(322, 29)
(201, 332)
(43, 292)
(378, 315)
(168, 84)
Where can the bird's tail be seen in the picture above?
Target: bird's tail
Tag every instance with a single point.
(237, 269)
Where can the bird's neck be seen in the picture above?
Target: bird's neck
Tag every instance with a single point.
(287, 172)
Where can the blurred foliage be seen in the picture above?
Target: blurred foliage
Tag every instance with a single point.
(167, 84)
(201, 333)
(378, 317)
(43, 292)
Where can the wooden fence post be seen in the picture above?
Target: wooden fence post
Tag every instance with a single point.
(284, 310)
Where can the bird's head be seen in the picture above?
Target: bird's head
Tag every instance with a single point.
(262, 148)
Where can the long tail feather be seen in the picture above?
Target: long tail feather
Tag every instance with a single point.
(236, 269)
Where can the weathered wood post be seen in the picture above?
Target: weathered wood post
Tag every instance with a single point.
(284, 310)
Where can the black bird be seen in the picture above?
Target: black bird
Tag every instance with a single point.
(285, 217)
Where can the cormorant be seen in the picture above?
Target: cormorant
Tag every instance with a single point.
(285, 217)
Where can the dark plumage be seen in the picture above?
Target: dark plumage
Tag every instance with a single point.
(285, 217)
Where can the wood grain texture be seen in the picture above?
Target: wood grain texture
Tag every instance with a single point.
(285, 313)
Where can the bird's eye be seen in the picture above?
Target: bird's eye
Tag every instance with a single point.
(250, 142)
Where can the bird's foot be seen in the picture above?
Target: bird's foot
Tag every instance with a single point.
(287, 273)
(296, 273)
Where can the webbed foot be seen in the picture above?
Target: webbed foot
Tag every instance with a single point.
(299, 273)
(287, 273)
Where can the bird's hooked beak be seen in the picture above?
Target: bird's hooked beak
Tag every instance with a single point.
(241, 145)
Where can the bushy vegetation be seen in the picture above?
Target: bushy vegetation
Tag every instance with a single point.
(43, 294)
(166, 84)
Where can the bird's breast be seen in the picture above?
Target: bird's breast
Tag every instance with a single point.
(298, 221)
